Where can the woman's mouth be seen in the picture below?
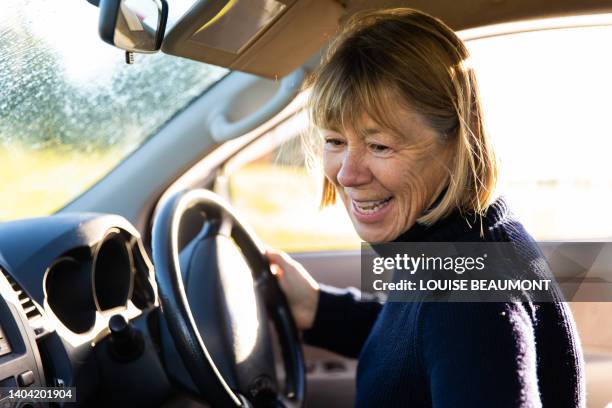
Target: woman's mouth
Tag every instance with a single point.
(370, 210)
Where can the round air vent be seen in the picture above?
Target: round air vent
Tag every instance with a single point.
(112, 272)
(68, 292)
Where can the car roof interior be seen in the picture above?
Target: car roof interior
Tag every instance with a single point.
(272, 43)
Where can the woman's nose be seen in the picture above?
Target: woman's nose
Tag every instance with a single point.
(354, 171)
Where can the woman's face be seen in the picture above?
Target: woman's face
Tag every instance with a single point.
(385, 180)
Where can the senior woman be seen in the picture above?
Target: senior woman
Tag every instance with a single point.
(405, 149)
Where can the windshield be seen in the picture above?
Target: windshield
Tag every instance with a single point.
(71, 108)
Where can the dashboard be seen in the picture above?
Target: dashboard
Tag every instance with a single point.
(79, 310)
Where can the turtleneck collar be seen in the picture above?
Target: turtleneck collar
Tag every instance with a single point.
(458, 226)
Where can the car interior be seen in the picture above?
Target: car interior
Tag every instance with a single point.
(147, 285)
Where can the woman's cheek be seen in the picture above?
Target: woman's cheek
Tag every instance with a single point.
(415, 190)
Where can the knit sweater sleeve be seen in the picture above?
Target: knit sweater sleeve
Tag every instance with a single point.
(343, 320)
(479, 355)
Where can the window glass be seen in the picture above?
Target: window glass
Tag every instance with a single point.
(547, 97)
(70, 108)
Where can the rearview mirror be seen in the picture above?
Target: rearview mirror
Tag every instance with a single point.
(133, 25)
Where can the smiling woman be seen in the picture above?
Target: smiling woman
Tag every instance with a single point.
(71, 108)
(405, 147)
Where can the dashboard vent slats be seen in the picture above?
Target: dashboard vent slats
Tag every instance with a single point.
(34, 315)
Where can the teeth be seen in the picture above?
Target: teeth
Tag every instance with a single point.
(370, 207)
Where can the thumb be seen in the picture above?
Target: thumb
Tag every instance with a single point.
(276, 270)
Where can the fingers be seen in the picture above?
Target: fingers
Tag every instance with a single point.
(278, 257)
(273, 256)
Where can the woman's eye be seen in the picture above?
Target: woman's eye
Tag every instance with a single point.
(334, 142)
(378, 148)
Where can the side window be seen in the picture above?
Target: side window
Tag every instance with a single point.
(270, 186)
(546, 98)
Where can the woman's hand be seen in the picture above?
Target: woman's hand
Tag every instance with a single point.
(301, 290)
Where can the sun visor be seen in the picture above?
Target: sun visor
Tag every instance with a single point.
(269, 38)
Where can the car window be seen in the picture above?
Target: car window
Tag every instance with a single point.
(546, 97)
(546, 101)
(70, 108)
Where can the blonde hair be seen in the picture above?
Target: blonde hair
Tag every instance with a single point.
(407, 56)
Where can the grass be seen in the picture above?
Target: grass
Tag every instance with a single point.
(39, 182)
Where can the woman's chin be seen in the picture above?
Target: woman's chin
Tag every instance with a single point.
(372, 235)
(381, 233)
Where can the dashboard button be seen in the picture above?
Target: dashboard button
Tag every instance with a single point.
(26, 378)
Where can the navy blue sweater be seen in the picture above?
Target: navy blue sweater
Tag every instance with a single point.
(454, 355)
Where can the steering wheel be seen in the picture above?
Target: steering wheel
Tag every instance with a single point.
(217, 293)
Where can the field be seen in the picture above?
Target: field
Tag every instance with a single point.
(39, 182)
